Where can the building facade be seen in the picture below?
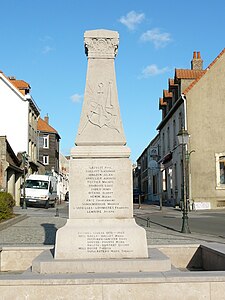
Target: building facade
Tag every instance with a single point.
(11, 170)
(18, 131)
(19, 115)
(63, 176)
(147, 172)
(48, 146)
(195, 102)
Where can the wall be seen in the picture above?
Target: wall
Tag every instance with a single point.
(206, 123)
(14, 117)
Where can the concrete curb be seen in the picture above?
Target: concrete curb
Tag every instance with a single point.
(10, 222)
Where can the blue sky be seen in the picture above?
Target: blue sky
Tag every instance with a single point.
(42, 43)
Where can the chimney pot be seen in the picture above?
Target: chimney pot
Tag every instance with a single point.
(197, 62)
(46, 118)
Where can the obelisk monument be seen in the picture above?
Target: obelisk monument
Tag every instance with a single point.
(101, 223)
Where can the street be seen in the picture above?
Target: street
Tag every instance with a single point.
(39, 225)
(211, 222)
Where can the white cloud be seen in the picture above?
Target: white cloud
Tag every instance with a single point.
(159, 39)
(132, 19)
(76, 98)
(153, 70)
(46, 44)
(47, 49)
(46, 38)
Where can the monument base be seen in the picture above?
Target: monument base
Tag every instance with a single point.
(46, 264)
(100, 239)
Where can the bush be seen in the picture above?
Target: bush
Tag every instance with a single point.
(6, 205)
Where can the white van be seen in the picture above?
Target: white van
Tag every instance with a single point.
(41, 190)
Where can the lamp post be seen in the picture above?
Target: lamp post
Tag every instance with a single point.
(139, 186)
(183, 140)
(24, 180)
(160, 180)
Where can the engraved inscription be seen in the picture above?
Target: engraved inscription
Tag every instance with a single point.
(104, 242)
(100, 195)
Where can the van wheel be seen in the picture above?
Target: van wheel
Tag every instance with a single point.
(47, 204)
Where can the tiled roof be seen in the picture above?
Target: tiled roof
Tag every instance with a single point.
(167, 94)
(44, 126)
(209, 67)
(161, 103)
(19, 84)
(172, 84)
(188, 74)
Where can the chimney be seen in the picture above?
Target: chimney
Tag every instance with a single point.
(46, 118)
(197, 62)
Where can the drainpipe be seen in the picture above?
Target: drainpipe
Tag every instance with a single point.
(185, 110)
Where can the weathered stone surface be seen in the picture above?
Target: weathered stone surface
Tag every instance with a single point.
(101, 238)
(100, 122)
(158, 262)
(101, 223)
(106, 188)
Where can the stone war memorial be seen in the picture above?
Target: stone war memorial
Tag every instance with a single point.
(101, 253)
(101, 223)
(101, 234)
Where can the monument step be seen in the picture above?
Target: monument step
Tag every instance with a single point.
(46, 264)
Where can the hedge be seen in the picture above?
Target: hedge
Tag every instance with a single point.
(6, 205)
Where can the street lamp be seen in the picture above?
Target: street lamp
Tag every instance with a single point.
(24, 156)
(139, 186)
(183, 140)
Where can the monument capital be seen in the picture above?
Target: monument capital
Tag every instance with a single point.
(101, 43)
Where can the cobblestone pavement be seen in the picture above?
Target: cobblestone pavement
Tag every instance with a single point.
(40, 226)
(161, 235)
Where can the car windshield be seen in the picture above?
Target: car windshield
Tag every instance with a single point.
(36, 184)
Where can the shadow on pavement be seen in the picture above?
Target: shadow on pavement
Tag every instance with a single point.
(151, 222)
(50, 233)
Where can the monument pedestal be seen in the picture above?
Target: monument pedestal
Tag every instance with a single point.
(101, 223)
(101, 238)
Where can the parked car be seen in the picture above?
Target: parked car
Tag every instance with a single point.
(40, 190)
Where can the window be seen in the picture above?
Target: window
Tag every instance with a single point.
(164, 181)
(36, 184)
(154, 184)
(45, 159)
(163, 144)
(168, 138)
(45, 141)
(174, 133)
(220, 170)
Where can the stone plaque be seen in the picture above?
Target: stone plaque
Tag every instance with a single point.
(97, 185)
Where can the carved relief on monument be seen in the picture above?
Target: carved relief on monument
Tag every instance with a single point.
(101, 112)
(101, 47)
